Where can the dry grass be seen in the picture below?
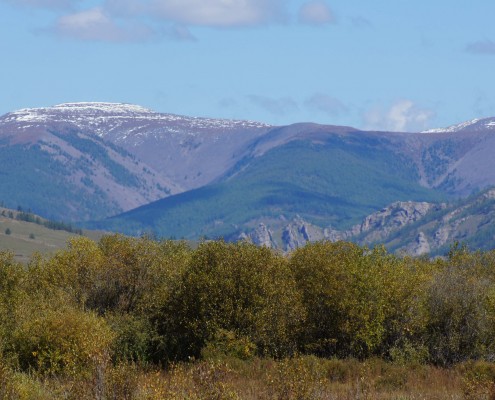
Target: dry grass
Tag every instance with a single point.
(305, 378)
(27, 238)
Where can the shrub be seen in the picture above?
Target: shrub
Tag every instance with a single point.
(478, 380)
(71, 276)
(343, 300)
(62, 341)
(12, 296)
(298, 378)
(460, 307)
(226, 344)
(238, 288)
(132, 338)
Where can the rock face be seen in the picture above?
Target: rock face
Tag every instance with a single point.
(414, 228)
(420, 246)
(381, 224)
(299, 232)
(376, 227)
(261, 236)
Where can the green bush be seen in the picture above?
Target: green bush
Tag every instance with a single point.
(239, 288)
(132, 338)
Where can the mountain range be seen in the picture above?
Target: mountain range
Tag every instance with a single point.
(127, 168)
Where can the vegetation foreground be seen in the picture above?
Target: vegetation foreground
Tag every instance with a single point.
(127, 318)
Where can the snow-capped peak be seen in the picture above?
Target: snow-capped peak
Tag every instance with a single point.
(99, 114)
(112, 108)
(123, 122)
(85, 109)
(476, 124)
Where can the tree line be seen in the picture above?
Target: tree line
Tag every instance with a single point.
(28, 216)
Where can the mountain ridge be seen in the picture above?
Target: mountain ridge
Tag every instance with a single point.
(224, 177)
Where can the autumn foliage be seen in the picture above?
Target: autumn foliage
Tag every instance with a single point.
(102, 313)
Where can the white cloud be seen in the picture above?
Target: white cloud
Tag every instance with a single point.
(212, 13)
(139, 20)
(219, 13)
(280, 106)
(95, 25)
(316, 12)
(402, 116)
(326, 104)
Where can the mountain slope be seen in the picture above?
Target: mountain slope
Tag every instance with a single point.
(414, 228)
(328, 177)
(190, 152)
(63, 173)
(84, 161)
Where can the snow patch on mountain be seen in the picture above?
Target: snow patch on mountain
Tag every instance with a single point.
(476, 124)
(104, 117)
(453, 128)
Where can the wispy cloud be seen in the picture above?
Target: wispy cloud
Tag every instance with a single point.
(481, 47)
(326, 104)
(138, 20)
(316, 12)
(96, 25)
(402, 116)
(211, 13)
(227, 102)
(219, 13)
(280, 106)
(49, 4)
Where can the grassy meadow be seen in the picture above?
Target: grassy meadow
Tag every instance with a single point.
(26, 238)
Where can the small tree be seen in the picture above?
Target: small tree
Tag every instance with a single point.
(8, 231)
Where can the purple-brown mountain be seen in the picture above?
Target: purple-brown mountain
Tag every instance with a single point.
(81, 161)
(90, 160)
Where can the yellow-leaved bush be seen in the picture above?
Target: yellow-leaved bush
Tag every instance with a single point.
(238, 288)
(66, 341)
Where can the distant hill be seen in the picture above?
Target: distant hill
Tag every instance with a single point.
(329, 179)
(51, 165)
(134, 170)
(79, 161)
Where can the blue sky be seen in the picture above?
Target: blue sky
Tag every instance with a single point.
(383, 64)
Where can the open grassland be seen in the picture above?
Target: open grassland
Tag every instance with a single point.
(26, 238)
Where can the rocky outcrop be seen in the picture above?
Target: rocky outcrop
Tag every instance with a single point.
(406, 227)
(299, 232)
(376, 227)
(419, 247)
(381, 224)
(261, 236)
